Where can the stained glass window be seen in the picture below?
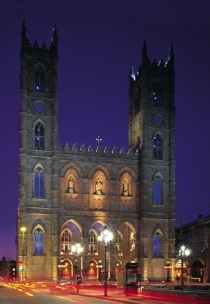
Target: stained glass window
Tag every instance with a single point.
(38, 242)
(38, 183)
(157, 191)
(157, 240)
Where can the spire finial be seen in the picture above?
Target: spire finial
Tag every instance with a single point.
(145, 58)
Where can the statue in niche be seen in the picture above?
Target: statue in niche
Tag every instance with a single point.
(125, 187)
(71, 185)
(98, 187)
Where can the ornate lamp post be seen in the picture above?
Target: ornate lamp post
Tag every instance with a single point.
(104, 237)
(183, 252)
(22, 268)
(168, 267)
(76, 250)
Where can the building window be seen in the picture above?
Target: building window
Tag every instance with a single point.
(39, 136)
(157, 245)
(157, 145)
(157, 191)
(158, 95)
(38, 242)
(118, 242)
(133, 242)
(39, 79)
(92, 243)
(66, 241)
(38, 183)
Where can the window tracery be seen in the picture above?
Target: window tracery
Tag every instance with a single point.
(38, 242)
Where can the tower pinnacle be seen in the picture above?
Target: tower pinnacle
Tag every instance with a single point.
(145, 58)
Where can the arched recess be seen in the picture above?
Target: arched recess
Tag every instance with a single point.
(39, 132)
(197, 270)
(157, 243)
(157, 94)
(39, 80)
(127, 179)
(65, 240)
(128, 242)
(157, 189)
(38, 176)
(69, 166)
(158, 145)
(38, 234)
(99, 177)
(101, 168)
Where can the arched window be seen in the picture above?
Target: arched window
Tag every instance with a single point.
(157, 95)
(157, 145)
(38, 242)
(39, 136)
(133, 242)
(157, 191)
(118, 242)
(92, 243)
(157, 243)
(39, 79)
(66, 241)
(38, 183)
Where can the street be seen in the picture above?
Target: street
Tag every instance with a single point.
(43, 293)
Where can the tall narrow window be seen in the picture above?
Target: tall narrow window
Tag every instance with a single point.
(158, 95)
(92, 244)
(118, 242)
(38, 183)
(157, 191)
(39, 79)
(66, 241)
(38, 242)
(39, 136)
(157, 145)
(157, 240)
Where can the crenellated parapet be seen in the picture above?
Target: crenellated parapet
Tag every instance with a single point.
(98, 152)
(166, 66)
(28, 48)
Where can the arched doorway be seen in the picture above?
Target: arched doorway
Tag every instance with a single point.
(197, 270)
(92, 270)
(67, 271)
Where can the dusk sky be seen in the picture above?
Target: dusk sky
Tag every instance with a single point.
(98, 42)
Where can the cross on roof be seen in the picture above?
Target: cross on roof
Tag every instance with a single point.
(98, 139)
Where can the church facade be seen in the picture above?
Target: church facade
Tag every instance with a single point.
(69, 194)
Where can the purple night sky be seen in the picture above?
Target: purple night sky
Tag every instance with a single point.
(98, 42)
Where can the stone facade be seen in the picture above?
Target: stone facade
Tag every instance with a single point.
(68, 194)
(196, 237)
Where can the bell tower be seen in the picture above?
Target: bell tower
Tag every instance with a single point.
(151, 129)
(38, 190)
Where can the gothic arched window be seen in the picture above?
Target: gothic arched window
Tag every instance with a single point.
(39, 136)
(157, 243)
(39, 79)
(92, 243)
(66, 241)
(157, 146)
(118, 242)
(157, 191)
(38, 242)
(38, 183)
(157, 95)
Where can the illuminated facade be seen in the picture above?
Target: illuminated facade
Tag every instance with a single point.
(69, 194)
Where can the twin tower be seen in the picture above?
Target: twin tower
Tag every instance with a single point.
(68, 195)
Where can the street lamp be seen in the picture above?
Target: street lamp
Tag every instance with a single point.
(168, 267)
(183, 252)
(22, 268)
(76, 250)
(104, 237)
